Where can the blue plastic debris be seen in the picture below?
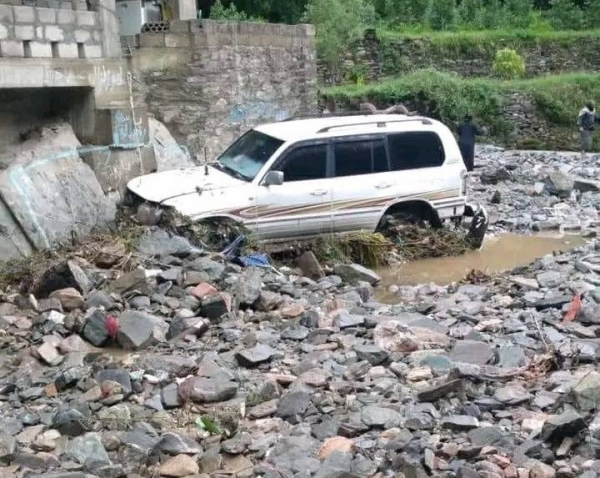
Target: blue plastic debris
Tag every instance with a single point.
(233, 250)
(255, 260)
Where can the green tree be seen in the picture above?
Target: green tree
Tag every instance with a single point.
(405, 11)
(219, 12)
(441, 14)
(565, 15)
(519, 13)
(468, 12)
(339, 23)
(491, 15)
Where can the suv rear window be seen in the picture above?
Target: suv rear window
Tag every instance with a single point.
(353, 158)
(419, 149)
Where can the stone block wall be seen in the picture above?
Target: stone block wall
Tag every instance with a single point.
(34, 32)
(209, 81)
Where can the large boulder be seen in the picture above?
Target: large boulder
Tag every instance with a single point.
(559, 184)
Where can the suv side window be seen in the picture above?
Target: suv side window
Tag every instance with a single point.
(419, 149)
(353, 158)
(305, 163)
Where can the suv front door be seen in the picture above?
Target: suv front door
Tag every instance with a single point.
(301, 206)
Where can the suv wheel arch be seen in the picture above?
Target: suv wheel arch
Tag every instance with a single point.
(415, 211)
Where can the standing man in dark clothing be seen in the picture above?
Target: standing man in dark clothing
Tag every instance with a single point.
(586, 120)
(466, 141)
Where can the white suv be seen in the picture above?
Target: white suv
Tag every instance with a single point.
(303, 177)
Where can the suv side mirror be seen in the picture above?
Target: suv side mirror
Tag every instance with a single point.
(273, 178)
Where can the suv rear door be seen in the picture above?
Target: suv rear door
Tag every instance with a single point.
(362, 184)
(301, 205)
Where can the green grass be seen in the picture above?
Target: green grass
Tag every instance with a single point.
(448, 97)
(488, 36)
(403, 51)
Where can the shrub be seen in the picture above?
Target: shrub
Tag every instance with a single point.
(219, 12)
(339, 23)
(508, 64)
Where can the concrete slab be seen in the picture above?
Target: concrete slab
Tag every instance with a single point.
(24, 14)
(56, 194)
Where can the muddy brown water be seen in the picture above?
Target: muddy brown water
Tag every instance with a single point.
(499, 253)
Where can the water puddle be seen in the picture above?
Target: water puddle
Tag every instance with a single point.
(498, 253)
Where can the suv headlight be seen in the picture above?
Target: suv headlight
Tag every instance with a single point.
(463, 183)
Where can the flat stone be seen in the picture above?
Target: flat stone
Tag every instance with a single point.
(354, 273)
(70, 298)
(511, 356)
(159, 242)
(179, 466)
(255, 356)
(206, 390)
(88, 450)
(471, 352)
(71, 422)
(344, 320)
(135, 281)
(555, 301)
(371, 353)
(550, 279)
(119, 376)
(567, 424)
(374, 416)
(204, 290)
(95, 330)
(293, 405)
(512, 395)
(49, 354)
(295, 333)
(175, 444)
(488, 436)
(138, 330)
(525, 283)
(460, 422)
(8, 446)
(587, 391)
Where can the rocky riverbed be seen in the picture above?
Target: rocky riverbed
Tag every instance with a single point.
(528, 191)
(192, 366)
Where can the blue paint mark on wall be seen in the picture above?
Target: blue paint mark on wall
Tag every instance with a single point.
(257, 111)
(126, 132)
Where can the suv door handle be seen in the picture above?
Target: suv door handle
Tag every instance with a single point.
(383, 185)
(319, 192)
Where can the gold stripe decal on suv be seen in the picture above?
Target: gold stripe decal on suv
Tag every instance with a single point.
(267, 211)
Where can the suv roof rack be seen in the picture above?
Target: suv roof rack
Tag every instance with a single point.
(380, 124)
(331, 115)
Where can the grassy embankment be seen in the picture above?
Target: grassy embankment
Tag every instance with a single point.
(556, 100)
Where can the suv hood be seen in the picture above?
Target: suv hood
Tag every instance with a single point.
(160, 187)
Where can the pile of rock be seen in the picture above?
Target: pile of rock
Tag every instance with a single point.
(196, 367)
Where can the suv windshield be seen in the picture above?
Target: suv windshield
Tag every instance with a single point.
(246, 156)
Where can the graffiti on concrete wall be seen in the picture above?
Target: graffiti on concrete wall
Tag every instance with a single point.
(127, 133)
(257, 111)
